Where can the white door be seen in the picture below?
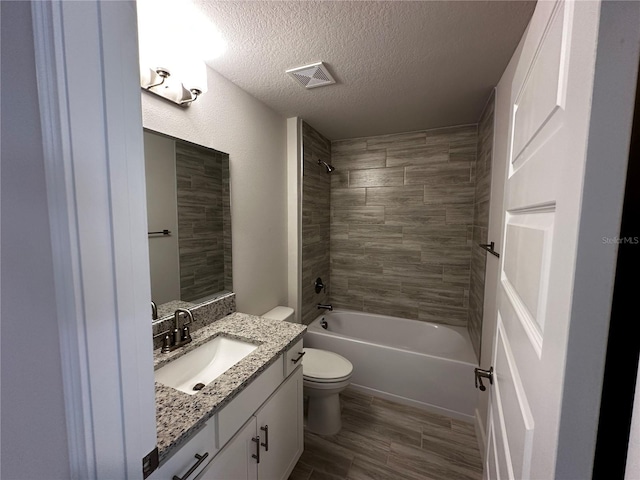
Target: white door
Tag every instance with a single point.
(548, 91)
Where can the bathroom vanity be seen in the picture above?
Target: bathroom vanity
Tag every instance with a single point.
(245, 424)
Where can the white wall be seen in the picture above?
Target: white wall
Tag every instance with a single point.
(34, 433)
(228, 119)
(162, 213)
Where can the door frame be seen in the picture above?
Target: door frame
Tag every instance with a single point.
(610, 125)
(89, 96)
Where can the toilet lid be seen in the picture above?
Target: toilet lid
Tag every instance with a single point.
(322, 365)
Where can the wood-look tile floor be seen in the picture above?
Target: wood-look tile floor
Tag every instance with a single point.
(384, 440)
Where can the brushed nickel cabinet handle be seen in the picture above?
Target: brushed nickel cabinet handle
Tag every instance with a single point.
(257, 454)
(300, 355)
(200, 458)
(265, 444)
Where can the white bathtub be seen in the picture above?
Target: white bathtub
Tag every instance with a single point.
(412, 362)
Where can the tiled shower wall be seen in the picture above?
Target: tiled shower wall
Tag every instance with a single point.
(481, 223)
(402, 209)
(316, 192)
(204, 221)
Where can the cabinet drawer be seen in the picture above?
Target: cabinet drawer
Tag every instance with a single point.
(234, 415)
(292, 358)
(183, 459)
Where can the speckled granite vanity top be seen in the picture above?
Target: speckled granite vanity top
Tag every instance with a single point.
(179, 415)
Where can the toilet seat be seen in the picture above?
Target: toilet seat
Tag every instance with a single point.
(322, 366)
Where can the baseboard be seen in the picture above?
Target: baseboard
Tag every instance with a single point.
(414, 403)
(481, 435)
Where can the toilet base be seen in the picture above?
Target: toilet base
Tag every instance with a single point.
(324, 414)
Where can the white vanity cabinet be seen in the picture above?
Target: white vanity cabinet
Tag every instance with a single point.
(264, 420)
(280, 427)
(268, 446)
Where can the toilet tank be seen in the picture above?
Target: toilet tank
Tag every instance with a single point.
(280, 313)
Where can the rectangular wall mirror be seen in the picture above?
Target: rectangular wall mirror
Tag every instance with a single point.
(189, 222)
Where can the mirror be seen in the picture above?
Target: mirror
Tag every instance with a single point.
(189, 222)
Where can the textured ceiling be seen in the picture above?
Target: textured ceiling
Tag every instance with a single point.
(400, 66)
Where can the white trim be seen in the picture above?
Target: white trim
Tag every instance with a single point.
(88, 92)
(294, 208)
(55, 131)
(481, 435)
(427, 407)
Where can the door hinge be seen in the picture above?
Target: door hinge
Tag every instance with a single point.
(150, 463)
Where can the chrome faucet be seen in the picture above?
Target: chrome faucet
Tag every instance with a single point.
(154, 310)
(326, 307)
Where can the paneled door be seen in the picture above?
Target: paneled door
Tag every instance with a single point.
(549, 91)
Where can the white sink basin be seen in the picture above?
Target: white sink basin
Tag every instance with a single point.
(204, 364)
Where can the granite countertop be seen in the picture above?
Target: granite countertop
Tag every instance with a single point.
(178, 414)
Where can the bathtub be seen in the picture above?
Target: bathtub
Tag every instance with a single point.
(426, 365)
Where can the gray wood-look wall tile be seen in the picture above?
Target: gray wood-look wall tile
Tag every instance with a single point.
(417, 221)
(204, 225)
(396, 140)
(424, 155)
(459, 214)
(416, 271)
(395, 196)
(393, 253)
(359, 160)
(451, 173)
(449, 194)
(414, 215)
(339, 147)
(316, 219)
(375, 234)
(376, 177)
(358, 215)
(348, 196)
(481, 223)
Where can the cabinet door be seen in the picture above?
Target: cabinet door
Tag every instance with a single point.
(235, 461)
(281, 430)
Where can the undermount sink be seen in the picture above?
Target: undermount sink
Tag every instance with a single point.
(196, 369)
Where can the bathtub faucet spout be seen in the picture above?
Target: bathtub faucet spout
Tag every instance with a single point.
(326, 307)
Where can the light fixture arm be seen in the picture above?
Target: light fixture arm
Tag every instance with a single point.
(163, 74)
(195, 92)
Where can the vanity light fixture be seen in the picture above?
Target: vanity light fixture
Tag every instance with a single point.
(161, 82)
(173, 53)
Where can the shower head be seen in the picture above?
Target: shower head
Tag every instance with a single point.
(330, 168)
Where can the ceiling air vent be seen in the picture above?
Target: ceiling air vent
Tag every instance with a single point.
(312, 76)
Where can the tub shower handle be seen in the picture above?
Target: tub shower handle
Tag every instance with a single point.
(479, 373)
(265, 444)
(300, 355)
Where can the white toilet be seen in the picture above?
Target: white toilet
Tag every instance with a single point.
(325, 374)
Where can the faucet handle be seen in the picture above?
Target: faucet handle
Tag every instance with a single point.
(186, 335)
(166, 344)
